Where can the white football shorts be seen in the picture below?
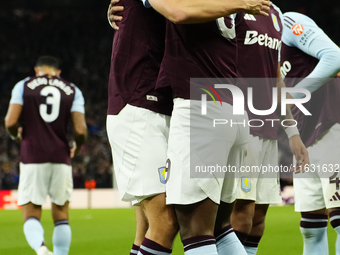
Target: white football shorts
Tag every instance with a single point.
(194, 140)
(139, 141)
(36, 181)
(320, 187)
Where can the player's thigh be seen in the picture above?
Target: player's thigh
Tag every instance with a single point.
(249, 172)
(268, 189)
(138, 139)
(198, 154)
(325, 154)
(236, 156)
(61, 185)
(325, 162)
(33, 183)
(308, 194)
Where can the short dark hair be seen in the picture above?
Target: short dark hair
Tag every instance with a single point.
(48, 61)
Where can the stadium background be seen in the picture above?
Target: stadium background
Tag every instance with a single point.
(78, 33)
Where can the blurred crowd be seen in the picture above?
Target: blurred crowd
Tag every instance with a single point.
(81, 38)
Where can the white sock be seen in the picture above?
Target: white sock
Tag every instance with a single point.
(200, 245)
(34, 233)
(313, 228)
(228, 243)
(251, 250)
(61, 237)
(203, 250)
(315, 241)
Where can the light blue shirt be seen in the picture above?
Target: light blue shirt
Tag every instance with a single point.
(314, 42)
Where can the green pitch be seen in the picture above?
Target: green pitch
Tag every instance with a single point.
(111, 231)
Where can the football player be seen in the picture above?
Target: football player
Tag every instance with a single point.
(46, 103)
(309, 59)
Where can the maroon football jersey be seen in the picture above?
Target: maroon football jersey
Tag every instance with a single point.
(46, 112)
(324, 104)
(205, 50)
(259, 41)
(137, 52)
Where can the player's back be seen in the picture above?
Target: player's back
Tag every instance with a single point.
(137, 52)
(296, 65)
(47, 103)
(259, 42)
(205, 50)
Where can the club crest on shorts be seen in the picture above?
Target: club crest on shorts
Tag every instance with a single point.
(246, 184)
(164, 172)
(276, 23)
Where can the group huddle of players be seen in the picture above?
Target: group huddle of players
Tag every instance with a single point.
(158, 47)
(157, 131)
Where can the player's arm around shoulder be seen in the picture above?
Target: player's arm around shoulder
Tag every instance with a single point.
(199, 11)
(111, 14)
(79, 123)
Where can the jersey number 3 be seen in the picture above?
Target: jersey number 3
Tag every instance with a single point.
(53, 97)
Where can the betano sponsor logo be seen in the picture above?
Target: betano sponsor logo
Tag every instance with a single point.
(253, 37)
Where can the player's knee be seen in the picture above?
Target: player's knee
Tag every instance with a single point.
(171, 227)
(242, 222)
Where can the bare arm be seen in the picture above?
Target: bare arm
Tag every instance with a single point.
(80, 130)
(295, 143)
(11, 121)
(199, 11)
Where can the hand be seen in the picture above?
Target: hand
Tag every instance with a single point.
(19, 135)
(257, 7)
(112, 18)
(74, 151)
(300, 152)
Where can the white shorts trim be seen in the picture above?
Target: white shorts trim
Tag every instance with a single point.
(36, 181)
(138, 139)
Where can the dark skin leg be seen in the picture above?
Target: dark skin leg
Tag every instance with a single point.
(243, 215)
(196, 219)
(223, 216)
(259, 220)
